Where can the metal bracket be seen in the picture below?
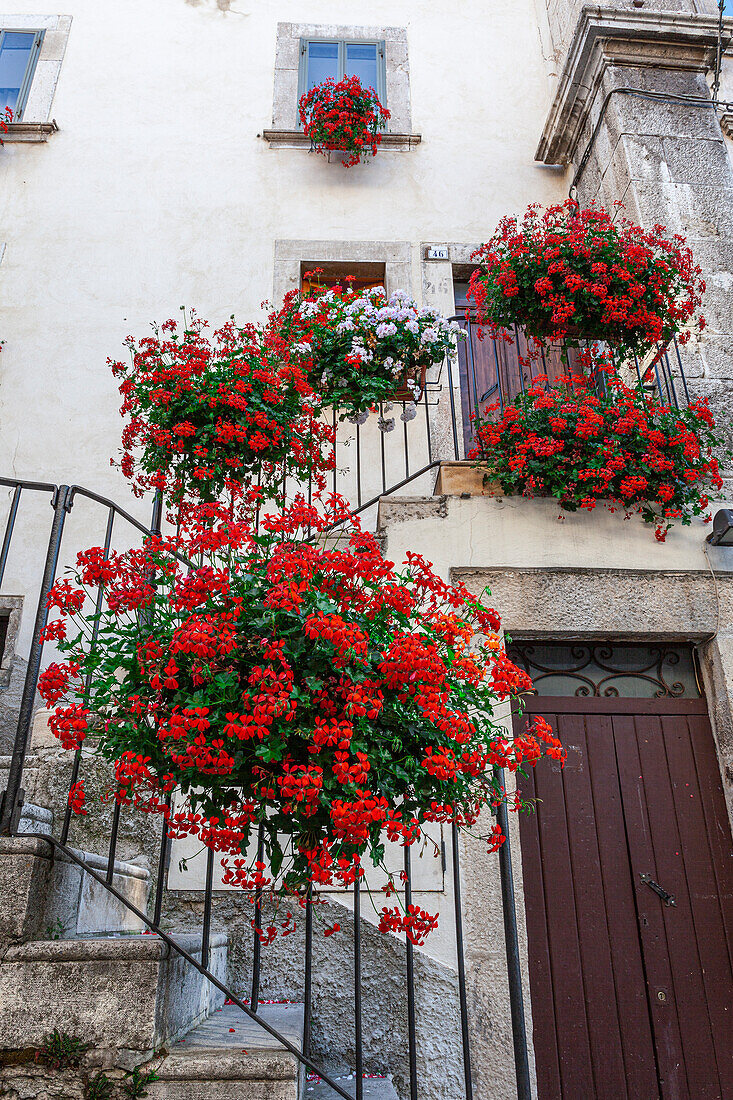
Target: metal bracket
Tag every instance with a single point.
(667, 898)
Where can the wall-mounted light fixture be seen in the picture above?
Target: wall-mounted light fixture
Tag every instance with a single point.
(722, 532)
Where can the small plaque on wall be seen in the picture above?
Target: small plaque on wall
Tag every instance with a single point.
(436, 252)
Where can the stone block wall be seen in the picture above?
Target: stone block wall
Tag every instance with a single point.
(634, 119)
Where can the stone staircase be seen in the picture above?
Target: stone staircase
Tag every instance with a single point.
(74, 958)
(229, 1056)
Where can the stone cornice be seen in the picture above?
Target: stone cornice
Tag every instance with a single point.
(29, 131)
(609, 37)
(296, 139)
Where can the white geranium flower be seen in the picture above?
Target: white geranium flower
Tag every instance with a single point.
(410, 413)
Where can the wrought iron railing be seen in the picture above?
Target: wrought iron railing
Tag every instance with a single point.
(370, 464)
(496, 371)
(62, 499)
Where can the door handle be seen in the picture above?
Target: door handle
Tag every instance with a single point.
(667, 898)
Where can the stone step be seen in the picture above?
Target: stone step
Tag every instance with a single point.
(122, 993)
(229, 1057)
(375, 1088)
(44, 894)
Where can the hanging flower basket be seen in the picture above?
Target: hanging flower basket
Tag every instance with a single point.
(622, 448)
(578, 275)
(361, 349)
(343, 118)
(306, 689)
(206, 415)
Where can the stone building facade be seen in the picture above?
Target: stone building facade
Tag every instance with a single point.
(158, 163)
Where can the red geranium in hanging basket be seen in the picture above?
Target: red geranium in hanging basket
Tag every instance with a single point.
(620, 446)
(343, 117)
(569, 274)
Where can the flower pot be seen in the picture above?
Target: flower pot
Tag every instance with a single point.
(404, 392)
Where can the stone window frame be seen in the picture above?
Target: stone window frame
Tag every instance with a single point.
(285, 130)
(37, 123)
(290, 255)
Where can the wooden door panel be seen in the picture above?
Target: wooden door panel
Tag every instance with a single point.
(689, 990)
(716, 820)
(544, 1033)
(641, 793)
(705, 906)
(573, 1039)
(655, 948)
(628, 969)
(590, 904)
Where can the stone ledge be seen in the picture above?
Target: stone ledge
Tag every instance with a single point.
(296, 139)
(625, 603)
(29, 131)
(111, 948)
(607, 37)
(128, 993)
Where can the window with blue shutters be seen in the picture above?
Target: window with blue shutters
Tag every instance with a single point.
(339, 58)
(19, 52)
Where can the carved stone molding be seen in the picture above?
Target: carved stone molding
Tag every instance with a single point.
(608, 38)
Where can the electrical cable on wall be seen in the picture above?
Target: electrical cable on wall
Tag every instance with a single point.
(664, 97)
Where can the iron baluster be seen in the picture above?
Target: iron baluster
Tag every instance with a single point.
(520, 365)
(358, 1038)
(88, 682)
(113, 841)
(9, 528)
(427, 424)
(257, 943)
(208, 895)
(471, 368)
(10, 809)
(451, 395)
(162, 862)
(467, 1074)
(358, 464)
(513, 962)
(499, 387)
(682, 370)
(411, 1030)
(335, 433)
(308, 976)
(382, 446)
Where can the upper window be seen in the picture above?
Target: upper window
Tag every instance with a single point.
(339, 58)
(19, 52)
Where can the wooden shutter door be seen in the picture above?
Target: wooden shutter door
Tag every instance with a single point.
(632, 998)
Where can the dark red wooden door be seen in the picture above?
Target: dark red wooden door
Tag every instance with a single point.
(632, 998)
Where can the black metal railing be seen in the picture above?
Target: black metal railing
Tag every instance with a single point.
(495, 371)
(62, 499)
(370, 464)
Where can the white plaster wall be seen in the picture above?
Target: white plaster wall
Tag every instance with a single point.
(157, 191)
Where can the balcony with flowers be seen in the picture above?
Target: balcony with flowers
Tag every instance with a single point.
(606, 306)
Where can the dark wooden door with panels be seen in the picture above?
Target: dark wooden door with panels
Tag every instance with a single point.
(628, 879)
